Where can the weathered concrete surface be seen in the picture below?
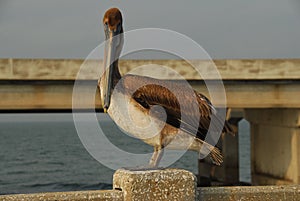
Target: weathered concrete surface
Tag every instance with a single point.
(104, 195)
(275, 138)
(253, 193)
(168, 184)
(54, 94)
(67, 69)
(43, 94)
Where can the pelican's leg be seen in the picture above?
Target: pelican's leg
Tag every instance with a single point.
(154, 161)
(156, 157)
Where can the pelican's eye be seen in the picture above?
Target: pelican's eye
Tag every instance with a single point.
(105, 24)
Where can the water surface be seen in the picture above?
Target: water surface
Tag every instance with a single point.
(43, 153)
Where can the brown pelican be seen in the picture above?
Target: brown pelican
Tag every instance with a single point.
(145, 103)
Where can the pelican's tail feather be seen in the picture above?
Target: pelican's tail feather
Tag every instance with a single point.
(216, 156)
(206, 149)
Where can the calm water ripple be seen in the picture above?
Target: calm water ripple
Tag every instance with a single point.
(42, 153)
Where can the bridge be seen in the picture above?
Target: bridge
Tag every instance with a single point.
(265, 92)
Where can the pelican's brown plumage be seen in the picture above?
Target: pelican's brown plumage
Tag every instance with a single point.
(177, 126)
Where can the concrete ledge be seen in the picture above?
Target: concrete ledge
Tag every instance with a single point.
(101, 195)
(253, 193)
(168, 184)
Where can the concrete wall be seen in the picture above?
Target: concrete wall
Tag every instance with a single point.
(165, 185)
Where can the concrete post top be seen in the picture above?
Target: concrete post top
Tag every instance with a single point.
(173, 171)
(165, 184)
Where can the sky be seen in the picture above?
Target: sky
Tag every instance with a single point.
(225, 29)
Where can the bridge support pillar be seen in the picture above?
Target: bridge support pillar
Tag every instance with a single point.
(275, 142)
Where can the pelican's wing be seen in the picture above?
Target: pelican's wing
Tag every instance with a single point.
(186, 109)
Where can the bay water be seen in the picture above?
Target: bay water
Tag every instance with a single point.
(43, 153)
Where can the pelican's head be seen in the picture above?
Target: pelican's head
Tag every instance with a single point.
(112, 22)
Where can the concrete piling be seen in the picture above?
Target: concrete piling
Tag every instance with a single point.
(167, 184)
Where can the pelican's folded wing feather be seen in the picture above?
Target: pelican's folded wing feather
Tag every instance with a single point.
(186, 109)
